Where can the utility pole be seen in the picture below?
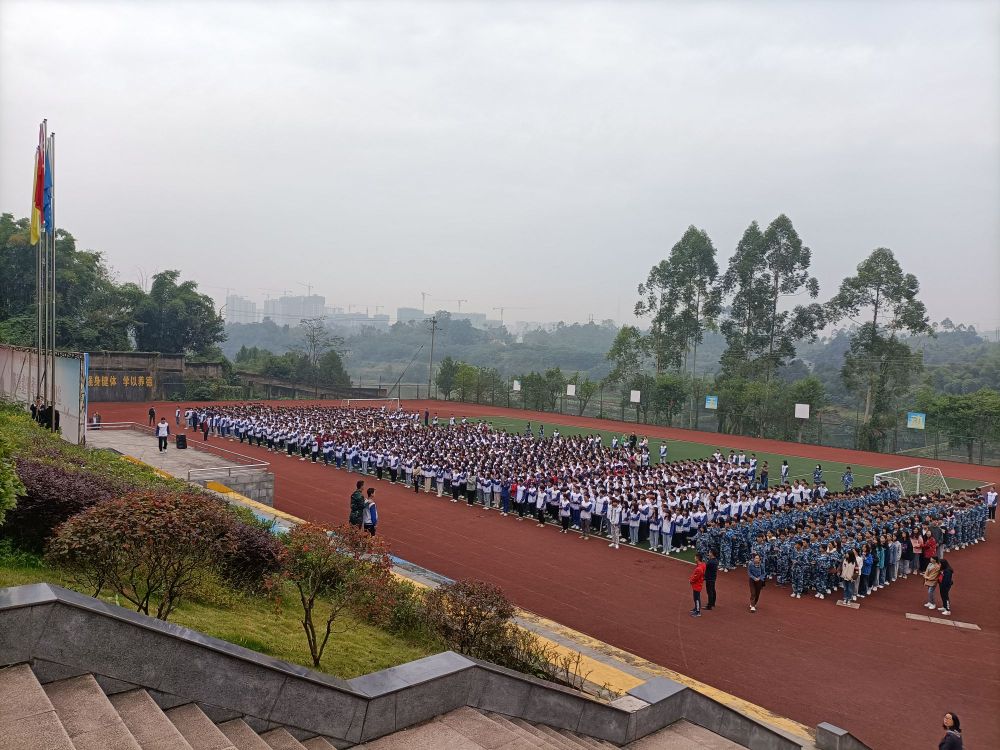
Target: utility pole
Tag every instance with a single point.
(430, 364)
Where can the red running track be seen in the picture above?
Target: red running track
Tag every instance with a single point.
(872, 671)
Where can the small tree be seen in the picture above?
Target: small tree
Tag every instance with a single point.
(446, 375)
(334, 570)
(152, 549)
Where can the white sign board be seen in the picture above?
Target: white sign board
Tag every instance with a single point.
(635, 397)
(802, 411)
(571, 389)
(517, 385)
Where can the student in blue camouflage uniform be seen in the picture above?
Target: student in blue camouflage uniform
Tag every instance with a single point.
(798, 569)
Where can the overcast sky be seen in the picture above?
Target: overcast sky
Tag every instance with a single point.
(540, 155)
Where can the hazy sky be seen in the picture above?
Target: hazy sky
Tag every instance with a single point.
(540, 155)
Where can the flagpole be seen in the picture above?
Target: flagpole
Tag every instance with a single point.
(40, 284)
(51, 153)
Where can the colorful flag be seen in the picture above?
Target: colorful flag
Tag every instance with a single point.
(36, 194)
(47, 199)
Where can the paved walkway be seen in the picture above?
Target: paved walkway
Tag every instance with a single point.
(144, 448)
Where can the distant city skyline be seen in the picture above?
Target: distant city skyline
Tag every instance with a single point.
(536, 156)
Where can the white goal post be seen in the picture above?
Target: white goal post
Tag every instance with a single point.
(361, 403)
(914, 480)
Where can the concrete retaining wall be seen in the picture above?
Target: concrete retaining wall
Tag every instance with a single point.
(62, 634)
(258, 485)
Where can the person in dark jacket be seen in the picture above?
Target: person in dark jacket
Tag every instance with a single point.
(357, 514)
(952, 739)
(711, 575)
(944, 588)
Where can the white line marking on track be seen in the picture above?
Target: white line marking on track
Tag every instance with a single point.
(940, 621)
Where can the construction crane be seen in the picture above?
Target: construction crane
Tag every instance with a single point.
(505, 307)
(309, 288)
(458, 301)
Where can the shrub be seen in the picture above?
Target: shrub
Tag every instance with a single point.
(470, 615)
(334, 570)
(475, 618)
(257, 553)
(53, 494)
(151, 549)
(11, 486)
(407, 614)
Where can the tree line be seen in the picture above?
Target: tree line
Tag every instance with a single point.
(96, 313)
(764, 305)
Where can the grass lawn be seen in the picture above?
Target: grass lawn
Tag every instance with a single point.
(682, 449)
(355, 647)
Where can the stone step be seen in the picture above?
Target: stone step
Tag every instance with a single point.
(570, 741)
(198, 729)
(27, 716)
(584, 740)
(478, 728)
(683, 735)
(242, 736)
(90, 720)
(320, 743)
(281, 739)
(147, 723)
(549, 736)
(534, 739)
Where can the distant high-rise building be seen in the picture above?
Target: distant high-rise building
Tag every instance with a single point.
(409, 315)
(291, 310)
(240, 310)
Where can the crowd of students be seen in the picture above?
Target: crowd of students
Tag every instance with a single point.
(806, 536)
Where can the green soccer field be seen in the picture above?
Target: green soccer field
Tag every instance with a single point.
(682, 449)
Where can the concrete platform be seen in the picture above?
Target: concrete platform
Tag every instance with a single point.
(144, 448)
(201, 462)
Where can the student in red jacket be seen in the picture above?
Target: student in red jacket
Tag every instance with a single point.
(929, 550)
(697, 579)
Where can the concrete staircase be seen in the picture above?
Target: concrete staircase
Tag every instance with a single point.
(471, 729)
(75, 714)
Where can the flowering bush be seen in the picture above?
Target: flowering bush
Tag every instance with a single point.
(334, 570)
(52, 495)
(151, 549)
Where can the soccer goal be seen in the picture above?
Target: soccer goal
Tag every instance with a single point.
(370, 403)
(914, 480)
